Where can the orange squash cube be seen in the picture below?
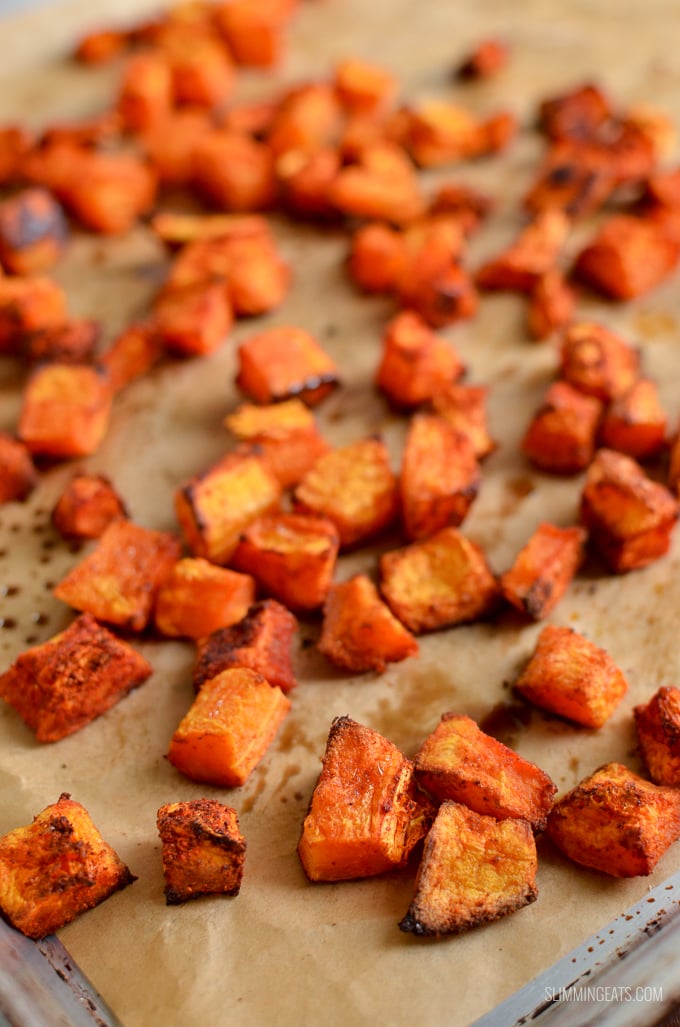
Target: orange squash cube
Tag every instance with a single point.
(551, 305)
(543, 569)
(145, 96)
(440, 294)
(203, 851)
(86, 507)
(201, 68)
(170, 144)
(377, 258)
(307, 119)
(33, 232)
(27, 305)
(253, 30)
(18, 476)
(658, 730)
(56, 868)
(635, 422)
(261, 641)
(66, 410)
(628, 257)
(562, 435)
(465, 409)
(616, 822)
(363, 87)
(234, 172)
(215, 507)
(198, 598)
(106, 192)
(194, 321)
(59, 687)
(291, 556)
(416, 362)
(381, 185)
(440, 132)
(354, 487)
(305, 181)
(131, 354)
(533, 253)
(228, 729)
(597, 361)
(118, 581)
(100, 46)
(72, 342)
(487, 58)
(15, 143)
(284, 362)
(572, 677)
(441, 581)
(284, 435)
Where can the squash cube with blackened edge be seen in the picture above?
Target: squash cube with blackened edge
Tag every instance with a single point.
(215, 507)
(438, 582)
(597, 361)
(228, 729)
(72, 342)
(284, 435)
(530, 256)
(354, 487)
(261, 641)
(416, 362)
(28, 304)
(194, 321)
(291, 556)
(658, 730)
(629, 516)
(198, 598)
(362, 818)
(203, 850)
(18, 476)
(56, 868)
(616, 822)
(117, 582)
(459, 762)
(569, 675)
(359, 631)
(465, 409)
(131, 354)
(59, 687)
(33, 232)
(635, 422)
(543, 569)
(562, 435)
(283, 362)
(65, 411)
(86, 507)
(463, 849)
(628, 257)
(234, 172)
(439, 478)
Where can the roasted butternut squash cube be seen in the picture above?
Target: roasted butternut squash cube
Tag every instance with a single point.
(259, 278)
(131, 354)
(562, 435)
(597, 361)
(253, 30)
(72, 342)
(228, 729)
(59, 687)
(364, 87)
(65, 411)
(284, 362)
(487, 58)
(440, 132)
(117, 582)
(33, 232)
(441, 581)
(381, 185)
(459, 762)
(234, 172)
(359, 631)
(198, 598)
(170, 144)
(579, 112)
(363, 810)
(284, 435)
(354, 487)
(56, 868)
(101, 46)
(439, 478)
(262, 641)
(465, 408)
(291, 556)
(18, 476)
(616, 822)
(628, 257)
(377, 258)
(194, 321)
(543, 569)
(635, 422)
(441, 295)
(215, 507)
(202, 72)
(87, 506)
(203, 851)
(473, 869)
(569, 675)
(307, 118)
(416, 362)
(551, 305)
(145, 96)
(530, 256)
(629, 517)
(15, 143)
(658, 731)
(468, 205)
(107, 192)
(28, 304)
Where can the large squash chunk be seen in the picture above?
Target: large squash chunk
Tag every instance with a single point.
(284, 362)
(198, 598)
(66, 410)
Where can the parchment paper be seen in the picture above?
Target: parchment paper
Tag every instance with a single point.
(285, 951)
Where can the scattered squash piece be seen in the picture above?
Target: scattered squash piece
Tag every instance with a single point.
(33, 232)
(635, 422)
(658, 730)
(597, 361)
(284, 362)
(416, 362)
(203, 851)
(198, 598)
(284, 435)
(562, 435)
(86, 507)
(18, 476)
(65, 411)
(543, 569)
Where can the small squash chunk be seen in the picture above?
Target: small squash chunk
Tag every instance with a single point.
(359, 631)
(262, 641)
(380, 185)
(364, 87)
(284, 435)
(86, 507)
(72, 342)
(543, 569)
(131, 354)
(307, 118)
(464, 407)
(18, 476)
(215, 507)
(65, 411)
(629, 517)
(253, 30)
(170, 145)
(377, 258)
(33, 232)
(439, 478)
(198, 598)
(145, 96)
(616, 822)
(562, 435)
(234, 172)
(203, 850)
(441, 581)
(28, 304)
(459, 762)
(433, 283)
(531, 256)
(194, 321)
(488, 58)
(597, 361)
(202, 70)
(474, 869)
(56, 868)
(362, 812)
(228, 729)
(118, 581)
(416, 362)
(305, 181)
(464, 202)
(107, 192)
(283, 362)
(291, 556)
(59, 687)
(658, 730)
(439, 132)
(551, 305)
(628, 257)
(354, 487)
(571, 676)
(15, 143)
(635, 422)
